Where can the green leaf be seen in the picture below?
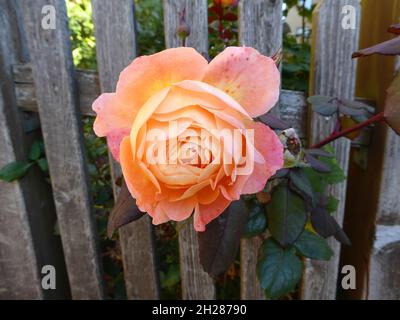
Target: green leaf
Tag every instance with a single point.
(336, 175)
(278, 269)
(332, 204)
(312, 246)
(14, 170)
(171, 278)
(219, 243)
(42, 163)
(286, 215)
(257, 220)
(319, 180)
(300, 180)
(36, 150)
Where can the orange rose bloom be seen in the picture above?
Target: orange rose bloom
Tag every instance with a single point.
(183, 131)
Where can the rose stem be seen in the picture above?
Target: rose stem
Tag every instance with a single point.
(336, 135)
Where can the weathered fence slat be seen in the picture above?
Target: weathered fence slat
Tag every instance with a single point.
(196, 284)
(260, 26)
(18, 264)
(332, 74)
(50, 53)
(116, 48)
(384, 277)
(26, 205)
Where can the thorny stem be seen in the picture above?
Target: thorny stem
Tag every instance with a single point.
(336, 135)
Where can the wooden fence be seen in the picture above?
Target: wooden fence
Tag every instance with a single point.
(37, 75)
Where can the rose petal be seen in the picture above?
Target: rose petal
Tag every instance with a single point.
(204, 213)
(250, 78)
(114, 120)
(213, 93)
(142, 186)
(147, 75)
(268, 144)
(178, 210)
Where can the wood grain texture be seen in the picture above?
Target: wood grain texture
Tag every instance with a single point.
(19, 272)
(26, 205)
(196, 18)
(56, 94)
(388, 212)
(88, 88)
(260, 27)
(196, 284)
(332, 74)
(294, 110)
(384, 274)
(116, 48)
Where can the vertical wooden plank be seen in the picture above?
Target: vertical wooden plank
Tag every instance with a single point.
(19, 272)
(384, 276)
(260, 26)
(26, 205)
(332, 74)
(116, 48)
(196, 284)
(50, 53)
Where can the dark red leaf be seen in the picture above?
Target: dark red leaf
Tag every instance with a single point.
(227, 34)
(388, 48)
(230, 16)
(319, 153)
(125, 211)
(211, 19)
(327, 226)
(219, 244)
(273, 122)
(316, 164)
(395, 28)
(217, 9)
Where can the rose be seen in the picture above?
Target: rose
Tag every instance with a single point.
(159, 122)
